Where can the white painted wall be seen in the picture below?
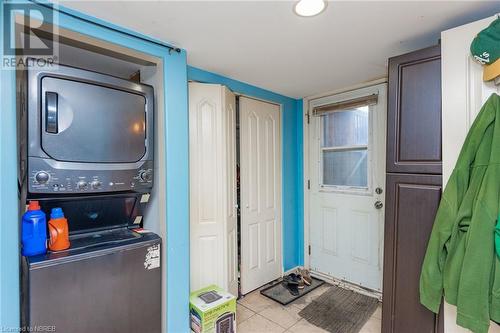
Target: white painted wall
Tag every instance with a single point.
(464, 92)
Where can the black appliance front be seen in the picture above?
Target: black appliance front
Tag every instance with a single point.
(99, 287)
(99, 212)
(85, 132)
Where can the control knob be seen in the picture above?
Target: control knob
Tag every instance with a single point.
(42, 177)
(82, 185)
(95, 184)
(146, 175)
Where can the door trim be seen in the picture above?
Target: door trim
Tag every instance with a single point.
(306, 108)
(281, 159)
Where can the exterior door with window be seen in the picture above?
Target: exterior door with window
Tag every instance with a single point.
(347, 177)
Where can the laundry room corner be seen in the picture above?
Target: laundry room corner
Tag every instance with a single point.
(223, 166)
(171, 207)
(292, 156)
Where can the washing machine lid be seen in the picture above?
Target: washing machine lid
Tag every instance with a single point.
(98, 212)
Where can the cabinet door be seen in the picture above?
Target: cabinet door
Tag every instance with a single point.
(412, 201)
(414, 112)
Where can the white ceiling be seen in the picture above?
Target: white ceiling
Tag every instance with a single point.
(265, 44)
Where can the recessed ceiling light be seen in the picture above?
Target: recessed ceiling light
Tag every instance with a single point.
(309, 8)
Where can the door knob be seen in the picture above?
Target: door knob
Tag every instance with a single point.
(378, 204)
(379, 190)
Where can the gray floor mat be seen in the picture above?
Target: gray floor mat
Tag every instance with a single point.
(339, 310)
(278, 292)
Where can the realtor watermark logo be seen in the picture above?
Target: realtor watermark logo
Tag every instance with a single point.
(30, 35)
(39, 328)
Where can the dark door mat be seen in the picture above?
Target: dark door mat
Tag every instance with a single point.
(278, 292)
(339, 310)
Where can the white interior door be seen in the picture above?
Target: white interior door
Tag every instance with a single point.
(212, 153)
(260, 169)
(347, 170)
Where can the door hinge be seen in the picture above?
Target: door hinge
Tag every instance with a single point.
(308, 184)
(309, 249)
(307, 115)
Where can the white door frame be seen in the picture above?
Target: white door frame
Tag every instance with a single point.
(305, 145)
(280, 229)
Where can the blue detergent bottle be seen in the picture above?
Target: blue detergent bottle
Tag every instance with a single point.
(34, 231)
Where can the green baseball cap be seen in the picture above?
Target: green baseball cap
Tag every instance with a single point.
(485, 48)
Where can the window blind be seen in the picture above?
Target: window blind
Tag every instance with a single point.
(345, 105)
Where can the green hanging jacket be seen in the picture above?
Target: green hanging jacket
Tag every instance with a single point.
(460, 262)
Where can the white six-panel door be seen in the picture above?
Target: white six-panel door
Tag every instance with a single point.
(347, 170)
(212, 144)
(260, 169)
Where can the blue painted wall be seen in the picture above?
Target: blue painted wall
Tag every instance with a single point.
(300, 181)
(293, 222)
(9, 234)
(176, 155)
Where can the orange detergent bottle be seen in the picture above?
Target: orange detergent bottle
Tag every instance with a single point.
(58, 230)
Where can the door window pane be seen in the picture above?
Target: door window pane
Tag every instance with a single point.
(344, 147)
(345, 168)
(345, 128)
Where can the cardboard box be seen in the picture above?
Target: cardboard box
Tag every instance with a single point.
(213, 310)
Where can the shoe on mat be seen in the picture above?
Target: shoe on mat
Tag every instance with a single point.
(297, 280)
(301, 281)
(292, 288)
(291, 279)
(306, 276)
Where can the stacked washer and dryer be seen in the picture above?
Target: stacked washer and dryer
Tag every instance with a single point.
(86, 145)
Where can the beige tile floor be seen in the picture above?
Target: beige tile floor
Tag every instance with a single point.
(258, 314)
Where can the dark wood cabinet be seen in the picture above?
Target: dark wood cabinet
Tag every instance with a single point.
(414, 112)
(411, 204)
(414, 186)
